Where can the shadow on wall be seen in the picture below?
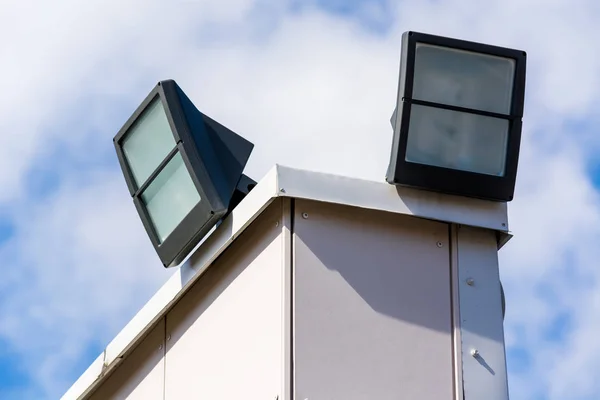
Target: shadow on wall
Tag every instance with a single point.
(392, 262)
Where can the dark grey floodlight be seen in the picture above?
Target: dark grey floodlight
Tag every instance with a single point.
(457, 123)
(183, 170)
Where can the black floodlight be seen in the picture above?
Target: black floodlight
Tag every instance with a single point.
(182, 169)
(457, 123)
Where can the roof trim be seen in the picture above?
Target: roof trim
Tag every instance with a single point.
(287, 182)
(395, 199)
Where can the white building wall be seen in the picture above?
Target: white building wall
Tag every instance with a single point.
(372, 305)
(226, 333)
(482, 330)
(223, 340)
(318, 301)
(356, 293)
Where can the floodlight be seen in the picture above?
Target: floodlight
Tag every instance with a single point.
(183, 170)
(457, 123)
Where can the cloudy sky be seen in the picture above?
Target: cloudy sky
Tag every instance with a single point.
(296, 77)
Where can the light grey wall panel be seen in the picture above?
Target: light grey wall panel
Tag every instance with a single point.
(372, 305)
(224, 338)
(482, 330)
(141, 375)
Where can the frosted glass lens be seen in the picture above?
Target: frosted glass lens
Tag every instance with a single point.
(148, 142)
(170, 197)
(457, 140)
(463, 78)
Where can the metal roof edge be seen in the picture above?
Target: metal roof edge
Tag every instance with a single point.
(396, 199)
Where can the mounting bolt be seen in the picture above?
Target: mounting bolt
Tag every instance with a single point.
(470, 281)
(282, 190)
(475, 353)
(305, 215)
(439, 244)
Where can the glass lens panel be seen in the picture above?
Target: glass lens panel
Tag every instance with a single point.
(170, 197)
(148, 142)
(463, 78)
(457, 140)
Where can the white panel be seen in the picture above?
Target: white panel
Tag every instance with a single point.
(484, 373)
(141, 375)
(224, 337)
(372, 314)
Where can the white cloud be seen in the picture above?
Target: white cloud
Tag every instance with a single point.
(310, 90)
(82, 266)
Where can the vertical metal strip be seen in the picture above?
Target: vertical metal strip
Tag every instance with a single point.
(292, 307)
(287, 216)
(456, 326)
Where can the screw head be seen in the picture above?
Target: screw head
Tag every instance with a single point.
(475, 353)
(282, 190)
(160, 346)
(439, 244)
(168, 337)
(470, 281)
(305, 215)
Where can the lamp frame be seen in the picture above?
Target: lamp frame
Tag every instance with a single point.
(446, 180)
(204, 215)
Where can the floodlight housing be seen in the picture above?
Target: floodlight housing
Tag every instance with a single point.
(182, 168)
(458, 117)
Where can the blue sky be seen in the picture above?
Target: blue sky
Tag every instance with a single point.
(295, 77)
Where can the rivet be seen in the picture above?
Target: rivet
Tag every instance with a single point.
(470, 281)
(439, 244)
(475, 353)
(305, 215)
